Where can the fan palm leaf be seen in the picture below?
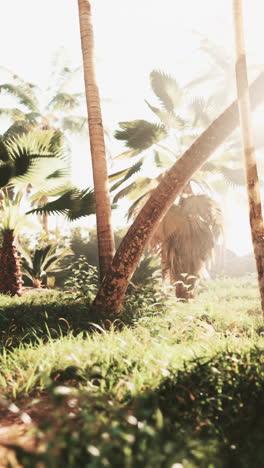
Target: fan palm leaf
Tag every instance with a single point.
(166, 89)
(188, 233)
(140, 135)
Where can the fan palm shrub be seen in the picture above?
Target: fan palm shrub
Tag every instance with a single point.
(43, 262)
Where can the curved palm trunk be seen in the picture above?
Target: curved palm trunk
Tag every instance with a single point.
(253, 190)
(106, 246)
(111, 294)
(10, 274)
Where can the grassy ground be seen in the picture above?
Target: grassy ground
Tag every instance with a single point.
(173, 385)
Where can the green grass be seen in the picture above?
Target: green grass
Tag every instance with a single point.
(177, 383)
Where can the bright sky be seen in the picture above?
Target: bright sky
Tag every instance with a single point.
(132, 38)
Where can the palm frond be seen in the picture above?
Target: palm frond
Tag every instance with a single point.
(137, 205)
(75, 124)
(127, 154)
(139, 134)
(233, 177)
(19, 127)
(162, 160)
(65, 102)
(133, 169)
(6, 173)
(23, 94)
(44, 143)
(56, 190)
(134, 190)
(170, 119)
(205, 208)
(4, 155)
(127, 173)
(73, 204)
(166, 89)
(199, 107)
(14, 113)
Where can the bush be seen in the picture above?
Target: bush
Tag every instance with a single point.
(83, 280)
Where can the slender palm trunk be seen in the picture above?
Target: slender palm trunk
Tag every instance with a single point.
(10, 274)
(105, 236)
(44, 219)
(111, 294)
(253, 189)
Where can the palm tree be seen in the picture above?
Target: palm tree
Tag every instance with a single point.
(185, 238)
(23, 161)
(103, 206)
(43, 109)
(111, 294)
(254, 197)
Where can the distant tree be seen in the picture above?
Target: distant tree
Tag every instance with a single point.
(185, 238)
(106, 246)
(50, 108)
(254, 196)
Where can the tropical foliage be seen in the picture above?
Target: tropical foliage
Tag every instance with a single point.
(44, 109)
(31, 178)
(42, 262)
(195, 220)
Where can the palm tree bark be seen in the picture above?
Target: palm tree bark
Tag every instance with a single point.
(10, 273)
(253, 189)
(112, 291)
(106, 246)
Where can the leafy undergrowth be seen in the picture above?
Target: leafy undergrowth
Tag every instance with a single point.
(183, 386)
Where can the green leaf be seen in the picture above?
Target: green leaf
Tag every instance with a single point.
(6, 173)
(140, 135)
(127, 154)
(168, 118)
(14, 114)
(23, 94)
(129, 172)
(135, 189)
(65, 101)
(166, 89)
(162, 160)
(4, 155)
(75, 123)
(233, 177)
(73, 204)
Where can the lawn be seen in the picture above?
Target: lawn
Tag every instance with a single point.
(167, 385)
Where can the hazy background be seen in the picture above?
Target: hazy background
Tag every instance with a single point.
(132, 37)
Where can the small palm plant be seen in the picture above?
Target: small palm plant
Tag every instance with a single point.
(43, 261)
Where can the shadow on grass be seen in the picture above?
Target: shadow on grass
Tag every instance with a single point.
(209, 414)
(53, 315)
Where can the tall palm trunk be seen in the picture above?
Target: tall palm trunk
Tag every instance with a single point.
(111, 294)
(103, 206)
(253, 190)
(10, 274)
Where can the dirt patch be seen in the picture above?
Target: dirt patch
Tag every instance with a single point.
(19, 426)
